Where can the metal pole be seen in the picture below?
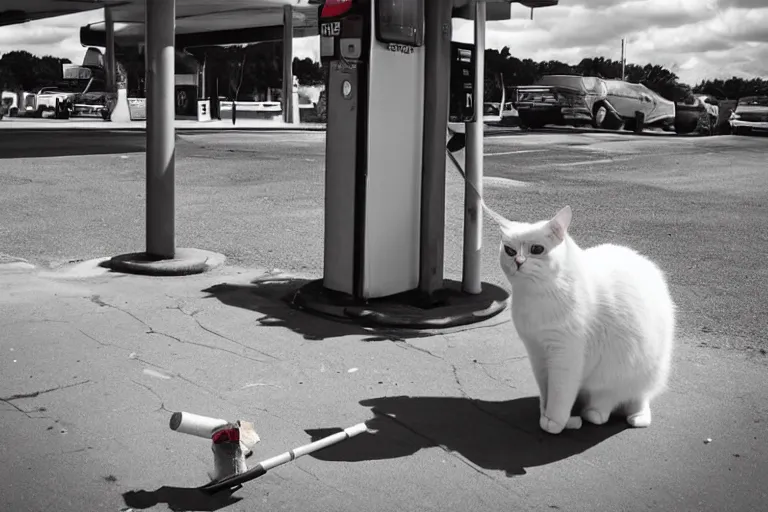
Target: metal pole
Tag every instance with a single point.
(160, 21)
(437, 74)
(473, 214)
(623, 59)
(288, 64)
(109, 57)
(203, 78)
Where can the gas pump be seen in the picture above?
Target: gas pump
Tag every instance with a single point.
(373, 50)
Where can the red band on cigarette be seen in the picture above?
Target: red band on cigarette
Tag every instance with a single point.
(230, 435)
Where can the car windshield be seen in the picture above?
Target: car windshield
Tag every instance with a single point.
(761, 101)
(66, 86)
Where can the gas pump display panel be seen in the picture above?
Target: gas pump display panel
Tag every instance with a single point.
(400, 21)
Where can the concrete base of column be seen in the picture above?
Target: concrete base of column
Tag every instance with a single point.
(448, 307)
(185, 262)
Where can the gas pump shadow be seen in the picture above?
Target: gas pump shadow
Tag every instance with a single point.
(496, 436)
(273, 296)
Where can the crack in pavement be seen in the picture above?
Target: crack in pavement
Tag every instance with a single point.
(132, 354)
(408, 346)
(477, 406)
(434, 443)
(159, 398)
(21, 396)
(203, 345)
(497, 379)
(458, 381)
(96, 299)
(34, 394)
(452, 333)
(103, 343)
(218, 334)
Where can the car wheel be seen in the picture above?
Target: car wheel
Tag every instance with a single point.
(606, 119)
(531, 125)
(741, 130)
(600, 114)
(685, 126)
(14, 112)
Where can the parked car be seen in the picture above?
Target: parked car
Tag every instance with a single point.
(751, 113)
(94, 103)
(48, 98)
(582, 100)
(637, 106)
(10, 104)
(698, 112)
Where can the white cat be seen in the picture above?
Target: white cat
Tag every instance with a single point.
(597, 323)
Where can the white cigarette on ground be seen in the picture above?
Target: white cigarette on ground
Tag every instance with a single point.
(195, 425)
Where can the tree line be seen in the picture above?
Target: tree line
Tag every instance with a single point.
(241, 71)
(22, 70)
(657, 78)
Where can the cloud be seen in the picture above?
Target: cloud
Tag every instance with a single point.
(742, 4)
(697, 39)
(59, 37)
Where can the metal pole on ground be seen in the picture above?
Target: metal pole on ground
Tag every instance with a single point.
(109, 51)
(437, 73)
(160, 27)
(473, 214)
(288, 64)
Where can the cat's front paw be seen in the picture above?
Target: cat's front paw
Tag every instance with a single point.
(554, 427)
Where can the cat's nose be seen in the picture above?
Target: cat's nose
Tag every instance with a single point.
(519, 260)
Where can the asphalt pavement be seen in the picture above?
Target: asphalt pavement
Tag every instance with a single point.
(93, 363)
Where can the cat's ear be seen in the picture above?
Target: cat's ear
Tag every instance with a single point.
(560, 222)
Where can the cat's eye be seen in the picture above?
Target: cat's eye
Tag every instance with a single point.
(537, 249)
(510, 251)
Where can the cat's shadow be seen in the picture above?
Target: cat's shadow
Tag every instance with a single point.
(496, 436)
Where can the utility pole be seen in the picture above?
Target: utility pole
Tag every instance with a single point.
(623, 59)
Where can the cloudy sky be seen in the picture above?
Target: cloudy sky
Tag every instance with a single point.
(697, 39)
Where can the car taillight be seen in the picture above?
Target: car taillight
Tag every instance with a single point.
(333, 8)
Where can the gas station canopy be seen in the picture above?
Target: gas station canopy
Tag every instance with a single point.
(205, 22)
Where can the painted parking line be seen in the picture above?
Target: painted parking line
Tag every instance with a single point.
(586, 162)
(518, 152)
